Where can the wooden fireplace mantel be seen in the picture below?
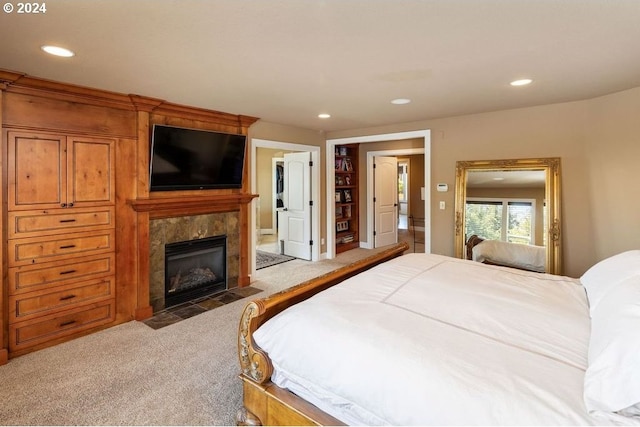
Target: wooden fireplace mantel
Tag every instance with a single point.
(184, 205)
(166, 207)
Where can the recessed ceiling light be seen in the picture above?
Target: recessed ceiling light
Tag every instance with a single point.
(401, 101)
(521, 82)
(58, 51)
(324, 115)
(498, 178)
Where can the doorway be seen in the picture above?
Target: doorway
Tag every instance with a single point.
(262, 170)
(385, 194)
(424, 135)
(403, 193)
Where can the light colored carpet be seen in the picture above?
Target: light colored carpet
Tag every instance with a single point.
(182, 374)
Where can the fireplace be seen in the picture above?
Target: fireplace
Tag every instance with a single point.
(195, 268)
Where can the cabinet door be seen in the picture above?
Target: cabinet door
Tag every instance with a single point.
(37, 171)
(90, 177)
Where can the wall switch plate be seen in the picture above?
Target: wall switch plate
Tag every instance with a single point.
(442, 205)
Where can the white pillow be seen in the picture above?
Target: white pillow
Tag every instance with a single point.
(606, 274)
(612, 379)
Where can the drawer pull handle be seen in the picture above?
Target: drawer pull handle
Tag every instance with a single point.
(67, 297)
(67, 246)
(67, 272)
(70, 322)
(67, 220)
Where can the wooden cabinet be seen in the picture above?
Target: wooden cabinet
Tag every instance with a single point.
(346, 197)
(59, 221)
(55, 327)
(61, 237)
(48, 171)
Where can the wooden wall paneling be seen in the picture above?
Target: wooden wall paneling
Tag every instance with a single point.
(243, 276)
(4, 293)
(36, 112)
(126, 235)
(22, 83)
(143, 150)
(201, 118)
(144, 310)
(140, 289)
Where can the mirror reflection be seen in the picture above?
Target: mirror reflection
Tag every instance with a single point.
(507, 213)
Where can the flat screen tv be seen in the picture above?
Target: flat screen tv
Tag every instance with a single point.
(192, 159)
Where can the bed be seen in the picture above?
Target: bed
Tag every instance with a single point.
(423, 339)
(496, 252)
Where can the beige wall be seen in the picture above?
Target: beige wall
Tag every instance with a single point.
(613, 163)
(598, 142)
(416, 181)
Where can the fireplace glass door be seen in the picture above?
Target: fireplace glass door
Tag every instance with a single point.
(195, 268)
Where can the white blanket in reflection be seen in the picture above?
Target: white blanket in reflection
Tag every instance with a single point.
(528, 257)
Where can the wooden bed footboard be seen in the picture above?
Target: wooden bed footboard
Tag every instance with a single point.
(265, 403)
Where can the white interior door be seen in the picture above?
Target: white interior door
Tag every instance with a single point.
(385, 181)
(296, 213)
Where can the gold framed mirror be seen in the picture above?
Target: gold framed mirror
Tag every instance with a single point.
(484, 172)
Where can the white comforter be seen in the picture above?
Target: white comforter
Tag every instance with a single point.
(427, 339)
(529, 257)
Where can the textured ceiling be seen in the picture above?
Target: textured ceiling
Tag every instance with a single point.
(287, 61)
(504, 179)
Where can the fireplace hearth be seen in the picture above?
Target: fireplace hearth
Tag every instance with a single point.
(195, 268)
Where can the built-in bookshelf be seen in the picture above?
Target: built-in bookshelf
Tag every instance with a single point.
(346, 197)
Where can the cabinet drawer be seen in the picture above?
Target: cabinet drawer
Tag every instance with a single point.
(35, 250)
(55, 221)
(34, 277)
(37, 331)
(38, 303)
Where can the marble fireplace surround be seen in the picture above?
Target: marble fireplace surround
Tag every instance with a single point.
(165, 220)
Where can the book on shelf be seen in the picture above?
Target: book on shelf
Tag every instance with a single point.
(347, 239)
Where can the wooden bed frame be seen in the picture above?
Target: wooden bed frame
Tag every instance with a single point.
(264, 402)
